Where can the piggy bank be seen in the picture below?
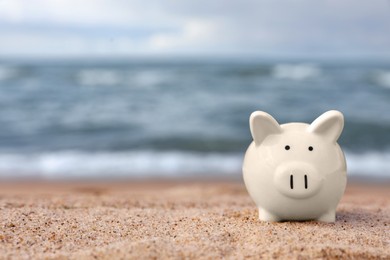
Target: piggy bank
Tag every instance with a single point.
(295, 171)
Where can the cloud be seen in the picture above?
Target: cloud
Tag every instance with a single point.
(119, 27)
(193, 34)
(41, 44)
(84, 13)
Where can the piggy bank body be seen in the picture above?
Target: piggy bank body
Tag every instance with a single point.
(295, 171)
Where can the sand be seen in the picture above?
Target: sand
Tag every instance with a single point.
(180, 220)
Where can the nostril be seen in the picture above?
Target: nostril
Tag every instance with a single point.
(305, 181)
(291, 181)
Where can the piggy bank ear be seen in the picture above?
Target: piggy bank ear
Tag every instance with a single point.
(330, 125)
(263, 125)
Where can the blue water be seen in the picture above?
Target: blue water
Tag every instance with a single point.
(178, 118)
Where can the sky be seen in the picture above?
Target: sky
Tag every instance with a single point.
(116, 28)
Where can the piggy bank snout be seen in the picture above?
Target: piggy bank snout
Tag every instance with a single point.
(297, 180)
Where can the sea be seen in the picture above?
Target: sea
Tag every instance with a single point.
(178, 118)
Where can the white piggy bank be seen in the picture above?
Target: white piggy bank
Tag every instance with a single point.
(295, 171)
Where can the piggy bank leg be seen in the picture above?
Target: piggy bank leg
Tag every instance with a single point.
(265, 215)
(329, 216)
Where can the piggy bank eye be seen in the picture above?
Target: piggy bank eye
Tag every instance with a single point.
(287, 147)
(311, 148)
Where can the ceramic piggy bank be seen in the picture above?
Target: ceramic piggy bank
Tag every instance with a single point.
(295, 171)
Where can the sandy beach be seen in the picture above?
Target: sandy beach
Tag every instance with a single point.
(184, 219)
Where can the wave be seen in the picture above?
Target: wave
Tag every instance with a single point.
(369, 164)
(73, 164)
(301, 71)
(148, 164)
(150, 77)
(95, 77)
(382, 78)
(7, 72)
(114, 77)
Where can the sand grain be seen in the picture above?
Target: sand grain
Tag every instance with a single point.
(180, 220)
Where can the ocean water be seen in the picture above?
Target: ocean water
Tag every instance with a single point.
(178, 118)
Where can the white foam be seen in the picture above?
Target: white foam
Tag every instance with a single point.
(296, 71)
(373, 163)
(382, 78)
(149, 78)
(107, 77)
(146, 164)
(72, 164)
(96, 77)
